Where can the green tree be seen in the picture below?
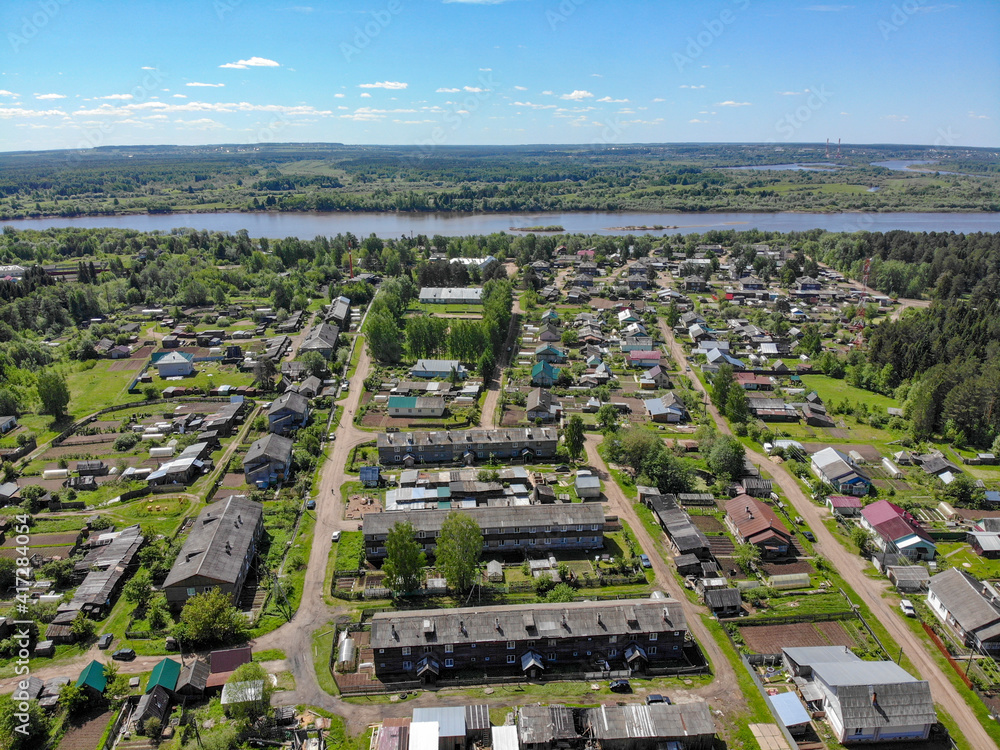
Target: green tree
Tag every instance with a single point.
(139, 590)
(10, 403)
(673, 314)
(607, 418)
(574, 436)
(384, 336)
(861, 538)
(53, 393)
(561, 592)
(964, 493)
(405, 561)
(737, 408)
(459, 548)
(747, 556)
(36, 729)
(60, 571)
(82, 627)
(151, 392)
(723, 382)
(251, 711)
(264, 372)
(726, 457)
(210, 619)
(73, 699)
(314, 363)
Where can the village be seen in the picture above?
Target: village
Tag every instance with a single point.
(661, 492)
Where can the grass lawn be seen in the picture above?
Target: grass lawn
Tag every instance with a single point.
(323, 641)
(834, 390)
(349, 550)
(207, 375)
(162, 514)
(94, 388)
(270, 654)
(960, 555)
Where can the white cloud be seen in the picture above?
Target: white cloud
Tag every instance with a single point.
(366, 95)
(44, 97)
(147, 67)
(179, 96)
(577, 95)
(845, 113)
(689, 86)
(609, 100)
(731, 103)
(121, 97)
(339, 96)
(793, 93)
(155, 107)
(475, 89)
(8, 112)
(596, 75)
(696, 121)
(5, 92)
(392, 85)
(486, 70)
(156, 117)
(203, 123)
(548, 93)
(196, 84)
(444, 90)
(253, 62)
(520, 88)
(533, 106)
(658, 100)
(975, 116)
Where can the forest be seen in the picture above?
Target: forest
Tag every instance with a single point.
(331, 177)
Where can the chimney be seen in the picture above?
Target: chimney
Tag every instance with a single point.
(229, 548)
(565, 624)
(461, 627)
(496, 624)
(666, 615)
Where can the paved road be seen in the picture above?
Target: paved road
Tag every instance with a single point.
(852, 568)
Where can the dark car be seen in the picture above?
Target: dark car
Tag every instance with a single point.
(123, 654)
(809, 535)
(654, 698)
(644, 559)
(310, 505)
(104, 642)
(620, 686)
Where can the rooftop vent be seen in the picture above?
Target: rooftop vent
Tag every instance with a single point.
(496, 624)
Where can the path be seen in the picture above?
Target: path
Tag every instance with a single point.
(853, 568)
(493, 388)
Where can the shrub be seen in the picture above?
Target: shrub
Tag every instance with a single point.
(125, 442)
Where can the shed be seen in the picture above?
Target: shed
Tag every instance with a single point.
(909, 578)
(423, 735)
(152, 705)
(394, 734)
(505, 738)
(450, 721)
(790, 712)
(789, 581)
(724, 602)
(93, 678)
(477, 723)
(193, 679)
(165, 674)
(370, 476)
(494, 571)
(242, 693)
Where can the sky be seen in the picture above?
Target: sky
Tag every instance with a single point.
(85, 73)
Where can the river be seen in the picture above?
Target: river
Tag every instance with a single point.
(388, 225)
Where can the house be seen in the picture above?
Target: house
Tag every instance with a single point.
(340, 312)
(984, 543)
(514, 531)
(450, 723)
(968, 606)
(896, 530)
(451, 296)
(268, 461)
(219, 551)
(222, 664)
(530, 640)
(93, 680)
(152, 705)
(668, 408)
(175, 364)
(724, 602)
(865, 701)
(322, 339)
(544, 374)
(807, 284)
(182, 470)
(840, 472)
(311, 387)
(193, 679)
(546, 728)
(772, 409)
(748, 381)
(91, 468)
(549, 333)
(466, 446)
(643, 358)
(587, 485)
(637, 344)
(549, 353)
(755, 522)
(165, 675)
(550, 316)
(650, 727)
(695, 284)
(7, 423)
(844, 505)
(655, 377)
(416, 406)
(287, 413)
(438, 368)
(541, 404)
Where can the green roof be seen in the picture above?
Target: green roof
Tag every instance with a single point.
(93, 677)
(165, 674)
(545, 367)
(402, 402)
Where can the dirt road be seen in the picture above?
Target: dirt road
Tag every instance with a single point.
(852, 568)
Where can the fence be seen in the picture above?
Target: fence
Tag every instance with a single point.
(947, 654)
(789, 619)
(763, 693)
(8, 454)
(125, 712)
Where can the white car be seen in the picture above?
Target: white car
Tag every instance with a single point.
(335, 537)
(907, 606)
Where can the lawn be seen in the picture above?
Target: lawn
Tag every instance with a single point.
(960, 555)
(349, 550)
(208, 375)
(161, 514)
(323, 641)
(832, 390)
(94, 388)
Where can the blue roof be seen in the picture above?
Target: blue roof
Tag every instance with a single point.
(789, 709)
(370, 473)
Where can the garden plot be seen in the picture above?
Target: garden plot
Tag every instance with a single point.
(770, 639)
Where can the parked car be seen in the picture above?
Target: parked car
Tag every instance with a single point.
(644, 559)
(907, 606)
(620, 686)
(123, 654)
(809, 535)
(654, 698)
(332, 436)
(335, 537)
(310, 505)
(104, 642)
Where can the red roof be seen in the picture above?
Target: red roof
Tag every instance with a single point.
(760, 524)
(645, 356)
(891, 521)
(844, 501)
(229, 659)
(882, 511)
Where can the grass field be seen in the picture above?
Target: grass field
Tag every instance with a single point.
(960, 555)
(96, 387)
(834, 390)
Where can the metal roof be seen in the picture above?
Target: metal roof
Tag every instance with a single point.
(424, 735)
(477, 717)
(450, 719)
(660, 721)
(165, 674)
(544, 724)
(571, 514)
(789, 709)
(962, 596)
(505, 738)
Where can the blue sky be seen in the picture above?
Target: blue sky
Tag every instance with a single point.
(83, 73)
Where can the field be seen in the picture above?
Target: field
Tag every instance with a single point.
(770, 639)
(960, 555)
(832, 390)
(87, 735)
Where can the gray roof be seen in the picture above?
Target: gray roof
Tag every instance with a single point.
(477, 717)
(478, 624)
(850, 672)
(466, 438)
(909, 572)
(656, 721)
(806, 655)
(567, 514)
(194, 677)
(218, 542)
(723, 598)
(877, 694)
(543, 724)
(450, 719)
(270, 446)
(961, 594)
(291, 400)
(323, 336)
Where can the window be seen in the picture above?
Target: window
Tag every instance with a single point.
(381, 650)
(576, 653)
(406, 650)
(420, 535)
(654, 636)
(449, 662)
(449, 648)
(510, 645)
(613, 652)
(613, 639)
(473, 645)
(510, 658)
(651, 650)
(531, 530)
(552, 656)
(588, 653)
(548, 540)
(407, 666)
(552, 641)
(427, 649)
(676, 633)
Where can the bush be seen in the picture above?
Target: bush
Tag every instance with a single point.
(126, 442)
